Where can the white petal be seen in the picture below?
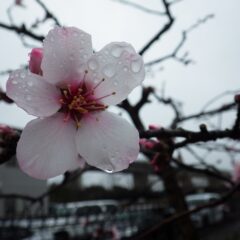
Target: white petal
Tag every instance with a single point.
(107, 141)
(120, 66)
(33, 94)
(65, 50)
(47, 147)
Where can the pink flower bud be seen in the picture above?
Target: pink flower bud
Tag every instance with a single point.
(35, 61)
(236, 173)
(18, 2)
(237, 98)
(5, 129)
(154, 127)
(148, 144)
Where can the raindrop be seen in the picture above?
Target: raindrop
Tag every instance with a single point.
(71, 58)
(109, 171)
(14, 82)
(93, 64)
(30, 83)
(116, 51)
(136, 66)
(115, 83)
(85, 56)
(51, 39)
(104, 147)
(75, 34)
(109, 71)
(125, 69)
(28, 97)
(22, 75)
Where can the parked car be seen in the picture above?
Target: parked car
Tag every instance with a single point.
(206, 216)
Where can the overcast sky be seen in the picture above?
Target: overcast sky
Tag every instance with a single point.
(214, 47)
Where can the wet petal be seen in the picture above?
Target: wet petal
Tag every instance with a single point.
(107, 141)
(33, 94)
(47, 147)
(65, 50)
(121, 68)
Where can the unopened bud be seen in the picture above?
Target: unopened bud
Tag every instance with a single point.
(35, 61)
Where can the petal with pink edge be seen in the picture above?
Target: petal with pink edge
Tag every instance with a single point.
(121, 68)
(33, 94)
(107, 141)
(65, 50)
(47, 147)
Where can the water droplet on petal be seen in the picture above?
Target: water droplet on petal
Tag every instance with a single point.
(115, 83)
(109, 71)
(116, 51)
(71, 58)
(109, 171)
(93, 64)
(136, 66)
(125, 69)
(22, 75)
(30, 83)
(29, 98)
(75, 34)
(14, 82)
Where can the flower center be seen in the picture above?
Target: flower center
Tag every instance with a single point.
(78, 101)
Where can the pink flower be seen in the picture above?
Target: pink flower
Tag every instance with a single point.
(35, 61)
(70, 99)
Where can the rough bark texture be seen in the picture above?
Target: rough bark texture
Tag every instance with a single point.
(177, 201)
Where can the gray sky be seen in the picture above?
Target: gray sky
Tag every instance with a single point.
(213, 46)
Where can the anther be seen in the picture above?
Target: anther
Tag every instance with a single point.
(65, 92)
(108, 95)
(69, 89)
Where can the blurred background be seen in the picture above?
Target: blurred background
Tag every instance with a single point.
(192, 55)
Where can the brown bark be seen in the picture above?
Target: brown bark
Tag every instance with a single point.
(176, 199)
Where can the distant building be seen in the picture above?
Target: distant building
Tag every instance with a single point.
(14, 181)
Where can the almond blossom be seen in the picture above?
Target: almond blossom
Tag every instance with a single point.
(69, 88)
